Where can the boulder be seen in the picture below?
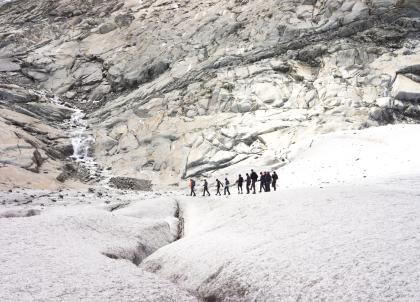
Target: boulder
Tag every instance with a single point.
(381, 115)
(100, 92)
(88, 73)
(106, 28)
(123, 20)
(244, 106)
(405, 89)
(128, 183)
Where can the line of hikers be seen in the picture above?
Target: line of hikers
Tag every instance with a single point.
(266, 180)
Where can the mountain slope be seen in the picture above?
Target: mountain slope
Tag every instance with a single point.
(183, 88)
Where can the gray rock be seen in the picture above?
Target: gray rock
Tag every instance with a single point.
(123, 20)
(382, 116)
(48, 111)
(127, 183)
(88, 73)
(14, 93)
(8, 65)
(406, 89)
(35, 74)
(106, 28)
(20, 213)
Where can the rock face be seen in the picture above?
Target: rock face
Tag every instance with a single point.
(179, 89)
(32, 143)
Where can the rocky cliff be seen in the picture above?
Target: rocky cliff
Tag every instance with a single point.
(180, 88)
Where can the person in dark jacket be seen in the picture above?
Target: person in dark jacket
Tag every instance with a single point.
(248, 183)
(254, 178)
(192, 186)
(240, 183)
(206, 188)
(262, 181)
(226, 187)
(267, 181)
(274, 177)
(218, 185)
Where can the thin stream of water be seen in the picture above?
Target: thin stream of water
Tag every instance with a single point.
(82, 141)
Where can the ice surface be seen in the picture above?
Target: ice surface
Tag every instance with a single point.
(354, 157)
(333, 235)
(83, 254)
(344, 226)
(342, 243)
(345, 157)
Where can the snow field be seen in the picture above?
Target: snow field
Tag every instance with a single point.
(343, 227)
(335, 244)
(84, 254)
(346, 157)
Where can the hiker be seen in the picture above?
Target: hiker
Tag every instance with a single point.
(254, 178)
(226, 187)
(274, 177)
(240, 182)
(206, 188)
(192, 186)
(218, 185)
(248, 183)
(262, 181)
(267, 181)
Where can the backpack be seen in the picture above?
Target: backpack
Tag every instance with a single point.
(227, 182)
(192, 183)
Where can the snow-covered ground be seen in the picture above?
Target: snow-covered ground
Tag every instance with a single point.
(344, 226)
(74, 252)
(345, 157)
(356, 157)
(343, 243)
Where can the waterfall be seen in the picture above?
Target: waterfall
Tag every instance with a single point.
(81, 140)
